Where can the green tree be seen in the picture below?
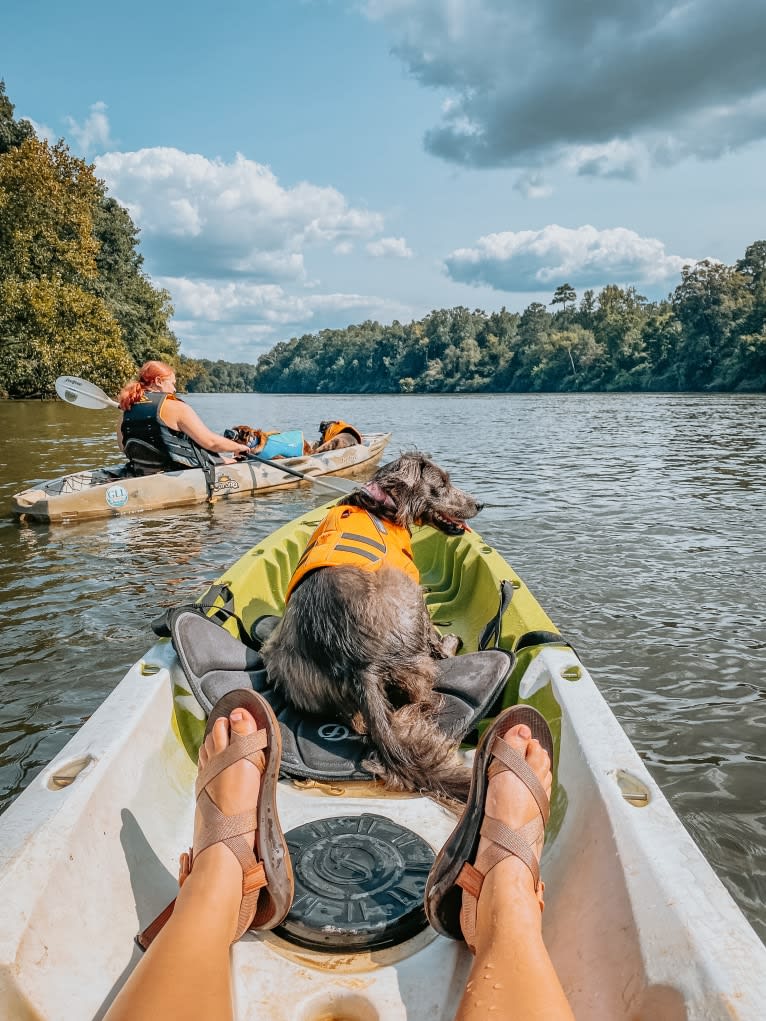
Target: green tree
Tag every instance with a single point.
(51, 322)
(563, 295)
(712, 303)
(51, 328)
(12, 132)
(46, 223)
(141, 310)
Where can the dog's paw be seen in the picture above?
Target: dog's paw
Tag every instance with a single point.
(451, 645)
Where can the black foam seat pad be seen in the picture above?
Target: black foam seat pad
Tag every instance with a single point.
(312, 747)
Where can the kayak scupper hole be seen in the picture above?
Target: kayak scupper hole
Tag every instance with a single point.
(343, 1007)
(634, 791)
(65, 774)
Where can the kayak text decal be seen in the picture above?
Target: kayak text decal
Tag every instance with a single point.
(225, 482)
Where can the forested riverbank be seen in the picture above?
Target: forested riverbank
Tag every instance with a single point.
(75, 300)
(709, 334)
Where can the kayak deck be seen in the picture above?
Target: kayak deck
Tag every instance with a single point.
(105, 493)
(636, 922)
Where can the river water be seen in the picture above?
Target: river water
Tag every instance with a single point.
(637, 520)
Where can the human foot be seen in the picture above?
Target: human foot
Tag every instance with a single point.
(510, 800)
(235, 789)
(231, 760)
(494, 828)
(240, 860)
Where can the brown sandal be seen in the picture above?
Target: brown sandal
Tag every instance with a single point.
(267, 878)
(454, 884)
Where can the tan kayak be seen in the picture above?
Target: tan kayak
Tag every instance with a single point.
(105, 493)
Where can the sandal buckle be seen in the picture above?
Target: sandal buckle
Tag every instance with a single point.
(470, 880)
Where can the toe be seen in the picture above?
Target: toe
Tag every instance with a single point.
(242, 722)
(518, 738)
(539, 761)
(218, 738)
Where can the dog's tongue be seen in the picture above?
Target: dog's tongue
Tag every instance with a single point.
(374, 490)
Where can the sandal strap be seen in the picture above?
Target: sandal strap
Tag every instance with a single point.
(217, 827)
(511, 759)
(241, 746)
(505, 844)
(253, 881)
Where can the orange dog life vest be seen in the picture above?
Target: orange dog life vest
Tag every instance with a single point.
(336, 428)
(351, 537)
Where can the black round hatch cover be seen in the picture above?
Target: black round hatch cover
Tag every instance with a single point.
(359, 882)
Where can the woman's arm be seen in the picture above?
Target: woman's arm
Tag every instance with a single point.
(181, 416)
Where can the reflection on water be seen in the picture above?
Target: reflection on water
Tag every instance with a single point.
(636, 520)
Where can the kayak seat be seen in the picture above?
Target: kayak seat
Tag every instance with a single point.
(144, 458)
(214, 663)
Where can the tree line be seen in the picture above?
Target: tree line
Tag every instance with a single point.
(709, 334)
(74, 299)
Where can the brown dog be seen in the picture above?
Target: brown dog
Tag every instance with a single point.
(334, 435)
(356, 641)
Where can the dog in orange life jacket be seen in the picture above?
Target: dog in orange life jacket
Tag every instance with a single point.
(334, 435)
(356, 642)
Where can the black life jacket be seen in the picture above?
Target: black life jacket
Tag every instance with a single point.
(152, 446)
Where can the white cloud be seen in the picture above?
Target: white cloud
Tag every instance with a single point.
(43, 132)
(604, 88)
(206, 217)
(93, 134)
(239, 301)
(215, 318)
(394, 247)
(533, 260)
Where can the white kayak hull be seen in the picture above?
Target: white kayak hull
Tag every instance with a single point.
(93, 494)
(638, 925)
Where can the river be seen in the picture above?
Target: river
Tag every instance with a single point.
(637, 520)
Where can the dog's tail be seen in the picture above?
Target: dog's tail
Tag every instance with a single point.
(411, 752)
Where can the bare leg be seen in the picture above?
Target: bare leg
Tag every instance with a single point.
(512, 978)
(185, 973)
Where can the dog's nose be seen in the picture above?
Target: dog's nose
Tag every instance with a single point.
(479, 507)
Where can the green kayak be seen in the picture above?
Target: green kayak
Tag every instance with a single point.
(637, 923)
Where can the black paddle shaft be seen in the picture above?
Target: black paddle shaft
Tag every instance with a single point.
(318, 480)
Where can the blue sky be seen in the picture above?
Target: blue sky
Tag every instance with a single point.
(302, 164)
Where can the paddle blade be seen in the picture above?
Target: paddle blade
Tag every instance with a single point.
(78, 391)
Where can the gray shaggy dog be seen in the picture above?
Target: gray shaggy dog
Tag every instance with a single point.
(359, 645)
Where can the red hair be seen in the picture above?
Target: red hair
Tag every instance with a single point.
(148, 374)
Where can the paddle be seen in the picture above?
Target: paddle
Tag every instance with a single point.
(87, 395)
(82, 393)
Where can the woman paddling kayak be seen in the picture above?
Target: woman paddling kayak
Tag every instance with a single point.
(159, 432)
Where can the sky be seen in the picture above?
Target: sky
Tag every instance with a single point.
(295, 165)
